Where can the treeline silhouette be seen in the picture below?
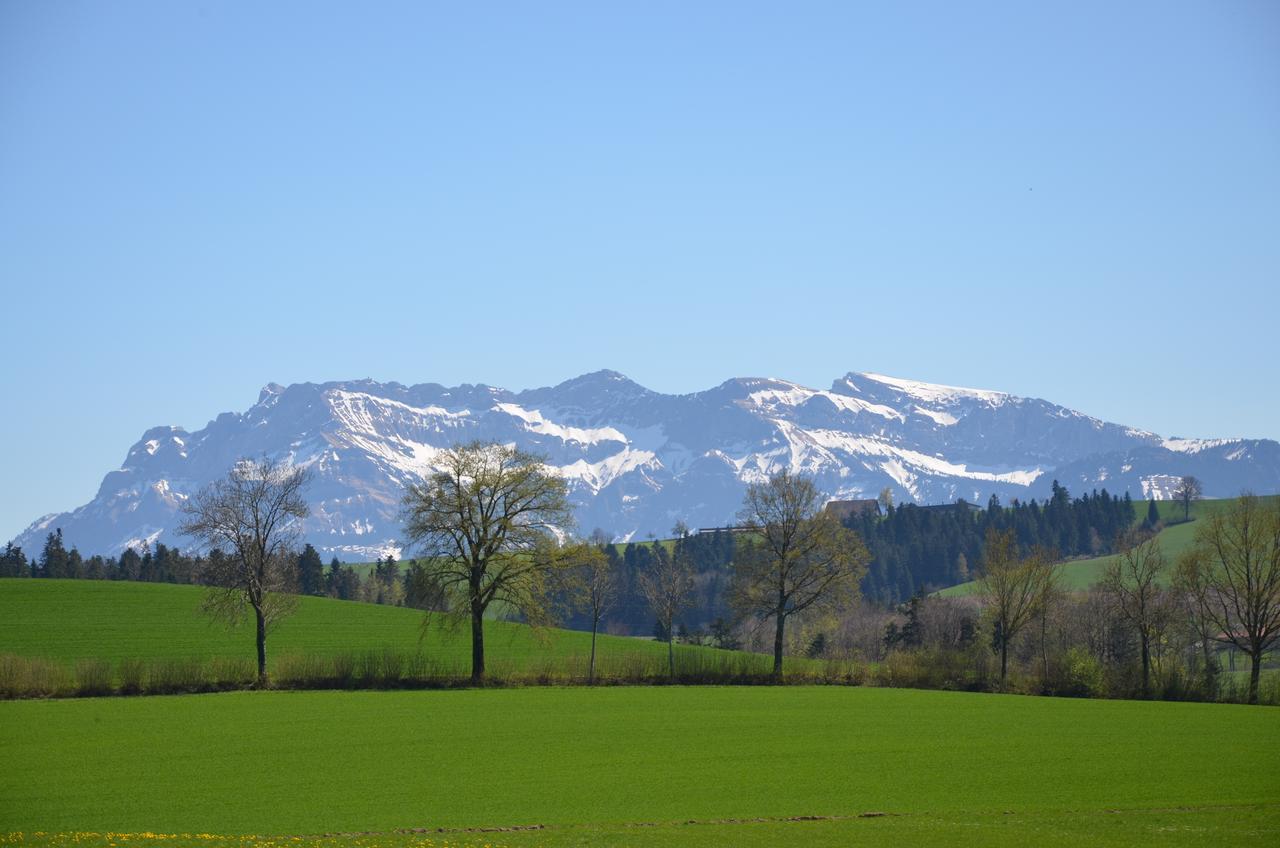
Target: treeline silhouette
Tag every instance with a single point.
(913, 548)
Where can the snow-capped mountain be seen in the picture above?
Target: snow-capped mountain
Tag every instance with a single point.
(637, 460)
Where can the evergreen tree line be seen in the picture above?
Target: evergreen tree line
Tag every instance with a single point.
(914, 548)
(709, 557)
(385, 583)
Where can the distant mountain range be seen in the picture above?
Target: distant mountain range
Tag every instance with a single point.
(637, 460)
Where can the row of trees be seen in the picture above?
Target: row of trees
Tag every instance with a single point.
(489, 525)
(1224, 590)
(916, 547)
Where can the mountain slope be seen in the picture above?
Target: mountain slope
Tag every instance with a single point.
(637, 460)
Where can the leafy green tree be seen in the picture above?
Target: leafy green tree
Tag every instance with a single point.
(486, 523)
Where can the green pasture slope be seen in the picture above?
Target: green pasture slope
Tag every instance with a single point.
(640, 766)
(87, 619)
(1083, 573)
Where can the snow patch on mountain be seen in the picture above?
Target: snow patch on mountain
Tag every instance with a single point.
(935, 393)
(636, 460)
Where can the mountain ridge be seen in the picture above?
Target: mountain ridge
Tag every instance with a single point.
(637, 460)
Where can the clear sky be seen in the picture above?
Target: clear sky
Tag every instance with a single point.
(1077, 201)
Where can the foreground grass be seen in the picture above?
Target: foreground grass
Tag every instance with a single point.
(643, 766)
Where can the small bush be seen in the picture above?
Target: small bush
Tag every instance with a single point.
(93, 677)
(133, 676)
(1082, 675)
(178, 675)
(32, 677)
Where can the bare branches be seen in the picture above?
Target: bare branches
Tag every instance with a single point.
(667, 587)
(249, 521)
(802, 557)
(1189, 489)
(1133, 581)
(1232, 574)
(1014, 587)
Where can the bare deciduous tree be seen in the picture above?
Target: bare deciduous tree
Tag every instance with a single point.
(1189, 489)
(798, 556)
(1133, 581)
(1233, 572)
(1013, 587)
(486, 524)
(598, 588)
(668, 587)
(251, 516)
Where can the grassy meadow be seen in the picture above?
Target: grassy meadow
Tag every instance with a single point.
(642, 766)
(86, 637)
(81, 619)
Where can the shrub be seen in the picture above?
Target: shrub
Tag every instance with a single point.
(32, 677)
(1083, 675)
(93, 677)
(177, 675)
(133, 676)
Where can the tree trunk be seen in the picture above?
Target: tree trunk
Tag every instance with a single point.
(591, 668)
(1254, 673)
(1146, 666)
(262, 645)
(477, 642)
(1004, 659)
(1208, 658)
(671, 650)
(1044, 645)
(777, 649)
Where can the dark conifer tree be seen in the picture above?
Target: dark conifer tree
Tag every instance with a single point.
(53, 560)
(310, 572)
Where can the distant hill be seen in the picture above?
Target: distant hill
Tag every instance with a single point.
(637, 460)
(1082, 573)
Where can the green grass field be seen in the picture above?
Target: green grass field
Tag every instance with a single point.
(644, 766)
(80, 619)
(1083, 573)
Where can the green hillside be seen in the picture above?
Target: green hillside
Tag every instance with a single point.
(645, 766)
(1083, 573)
(79, 619)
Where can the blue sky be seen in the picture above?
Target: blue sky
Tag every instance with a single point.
(1077, 201)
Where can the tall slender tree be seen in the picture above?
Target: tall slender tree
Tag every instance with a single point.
(668, 586)
(1013, 587)
(252, 518)
(1134, 582)
(598, 588)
